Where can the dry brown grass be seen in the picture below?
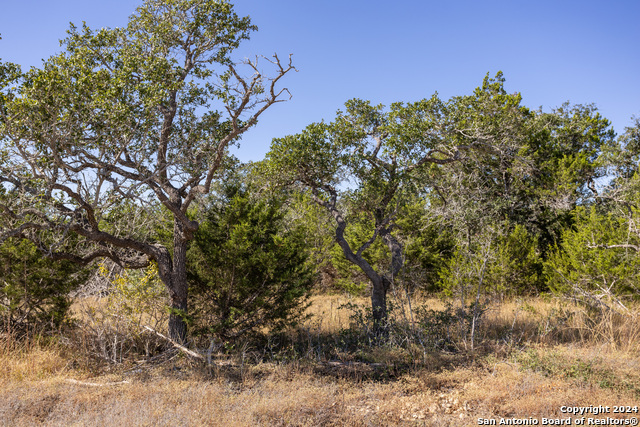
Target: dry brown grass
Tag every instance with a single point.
(536, 357)
(31, 359)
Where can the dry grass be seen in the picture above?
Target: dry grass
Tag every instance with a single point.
(31, 359)
(536, 357)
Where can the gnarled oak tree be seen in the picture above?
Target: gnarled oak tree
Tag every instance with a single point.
(124, 119)
(371, 161)
(471, 157)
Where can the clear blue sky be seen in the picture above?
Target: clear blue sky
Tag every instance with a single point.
(550, 51)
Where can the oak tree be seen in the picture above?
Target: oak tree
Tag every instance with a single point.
(363, 167)
(126, 119)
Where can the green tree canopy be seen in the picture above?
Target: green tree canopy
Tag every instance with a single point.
(140, 115)
(370, 161)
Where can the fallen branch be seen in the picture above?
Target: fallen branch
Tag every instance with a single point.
(175, 344)
(71, 380)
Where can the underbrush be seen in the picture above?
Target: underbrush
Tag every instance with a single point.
(531, 357)
(32, 357)
(115, 331)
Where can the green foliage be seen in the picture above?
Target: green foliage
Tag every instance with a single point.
(407, 183)
(517, 267)
(598, 258)
(526, 167)
(428, 246)
(502, 263)
(247, 269)
(440, 326)
(628, 151)
(566, 147)
(622, 160)
(137, 297)
(350, 277)
(463, 276)
(34, 290)
(492, 264)
(315, 224)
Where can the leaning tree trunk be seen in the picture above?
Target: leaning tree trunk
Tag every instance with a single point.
(379, 283)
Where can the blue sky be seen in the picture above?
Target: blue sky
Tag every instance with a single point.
(550, 51)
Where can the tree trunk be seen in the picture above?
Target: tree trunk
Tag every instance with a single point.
(173, 273)
(380, 283)
(180, 289)
(177, 324)
(380, 286)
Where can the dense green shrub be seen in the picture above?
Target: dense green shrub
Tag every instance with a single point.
(598, 258)
(248, 268)
(504, 264)
(517, 269)
(34, 290)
